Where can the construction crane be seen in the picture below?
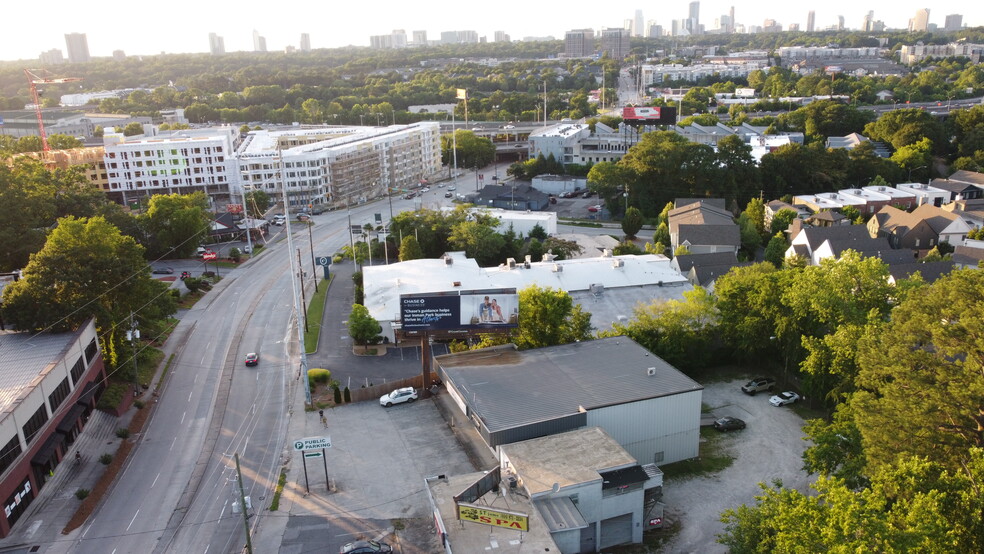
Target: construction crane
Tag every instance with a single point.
(43, 77)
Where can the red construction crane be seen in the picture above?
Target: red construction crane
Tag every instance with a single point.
(43, 77)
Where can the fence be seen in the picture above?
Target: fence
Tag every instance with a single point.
(375, 391)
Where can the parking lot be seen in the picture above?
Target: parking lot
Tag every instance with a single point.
(769, 448)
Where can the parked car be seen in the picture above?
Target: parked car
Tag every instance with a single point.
(553, 199)
(784, 398)
(406, 394)
(365, 547)
(252, 358)
(452, 188)
(162, 271)
(449, 195)
(595, 208)
(508, 126)
(201, 250)
(587, 194)
(729, 423)
(247, 249)
(758, 384)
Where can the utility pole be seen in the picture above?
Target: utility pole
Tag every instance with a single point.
(300, 271)
(133, 335)
(242, 504)
(314, 271)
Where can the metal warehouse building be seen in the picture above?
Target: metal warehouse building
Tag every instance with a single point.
(648, 406)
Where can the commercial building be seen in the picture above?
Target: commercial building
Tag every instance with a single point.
(558, 141)
(608, 287)
(912, 54)
(47, 392)
(579, 43)
(216, 44)
(305, 42)
(615, 43)
(339, 165)
(71, 122)
(78, 47)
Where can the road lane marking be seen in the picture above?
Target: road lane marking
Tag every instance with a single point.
(131, 521)
(155, 480)
(192, 391)
(183, 414)
(174, 440)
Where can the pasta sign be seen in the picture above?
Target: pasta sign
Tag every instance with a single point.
(497, 518)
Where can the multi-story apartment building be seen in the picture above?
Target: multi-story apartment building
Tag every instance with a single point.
(78, 47)
(216, 44)
(339, 165)
(615, 42)
(181, 162)
(917, 52)
(305, 42)
(579, 43)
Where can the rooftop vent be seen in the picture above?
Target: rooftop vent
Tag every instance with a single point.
(456, 283)
(650, 371)
(529, 258)
(511, 262)
(448, 261)
(606, 253)
(617, 263)
(557, 268)
(597, 288)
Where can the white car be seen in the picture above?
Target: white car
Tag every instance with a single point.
(406, 394)
(784, 398)
(452, 188)
(508, 126)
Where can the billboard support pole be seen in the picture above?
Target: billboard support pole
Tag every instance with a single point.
(425, 359)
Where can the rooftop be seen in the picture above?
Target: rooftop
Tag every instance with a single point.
(25, 356)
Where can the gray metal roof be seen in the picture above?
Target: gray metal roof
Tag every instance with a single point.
(507, 388)
(23, 357)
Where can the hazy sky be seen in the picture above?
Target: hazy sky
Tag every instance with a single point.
(184, 25)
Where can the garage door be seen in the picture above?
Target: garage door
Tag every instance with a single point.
(616, 530)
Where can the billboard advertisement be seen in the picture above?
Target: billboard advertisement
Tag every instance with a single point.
(493, 517)
(649, 115)
(471, 309)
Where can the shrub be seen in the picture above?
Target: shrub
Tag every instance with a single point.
(122, 432)
(81, 493)
(336, 394)
(235, 254)
(319, 375)
(113, 396)
(347, 395)
(139, 404)
(106, 459)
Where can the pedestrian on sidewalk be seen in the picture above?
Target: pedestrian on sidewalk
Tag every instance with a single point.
(324, 420)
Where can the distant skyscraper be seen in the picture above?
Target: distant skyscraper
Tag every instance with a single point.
(52, 57)
(420, 38)
(637, 25)
(468, 37)
(693, 21)
(615, 42)
(78, 47)
(305, 42)
(811, 21)
(794, 27)
(840, 22)
(259, 42)
(920, 23)
(953, 22)
(579, 43)
(399, 38)
(731, 17)
(501, 36)
(216, 44)
(869, 22)
(119, 55)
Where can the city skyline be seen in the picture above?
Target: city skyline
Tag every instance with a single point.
(347, 25)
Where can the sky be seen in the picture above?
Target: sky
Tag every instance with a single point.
(180, 26)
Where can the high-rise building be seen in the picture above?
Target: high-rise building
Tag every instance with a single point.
(305, 42)
(794, 27)
(259, 42)
(615, 42)
(840, 22)
(920, 23)
(399, 38)
(637, 26)
(579, 43)
(52, 57)
(501, 36)
(731, 17)
(78, 47)
(381, 41)
(811, 21)
(869, 22)
(693, 19)
(468, 37)
(954, 22)
(420, 38)
(216, 44)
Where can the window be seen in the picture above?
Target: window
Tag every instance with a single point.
(77, 370)
(10, 452)
(35, 424)
(59, 395)
(90, 352)
(658, 458)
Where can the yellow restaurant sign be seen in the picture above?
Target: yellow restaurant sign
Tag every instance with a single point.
(497, 518)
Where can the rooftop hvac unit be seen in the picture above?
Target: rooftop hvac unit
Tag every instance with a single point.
(557, 268)
(617, 263)
(650, 371)
(606, 253)
(448, 261)
(526, 264)
(529, 259)
(597, 288)
(511, 262)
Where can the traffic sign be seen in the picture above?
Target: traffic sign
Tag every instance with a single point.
(312, 443)
(324, 260)
(209, 255)
(314, 454)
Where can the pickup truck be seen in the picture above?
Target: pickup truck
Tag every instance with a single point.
(758, 384)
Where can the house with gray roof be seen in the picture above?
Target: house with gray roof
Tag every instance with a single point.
(517, 196)
(922, 229)
(968, 257)
(703, 228)
(817, 243)
(928, 271)
(646, 405)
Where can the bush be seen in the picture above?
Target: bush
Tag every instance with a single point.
(106, 459)
(81, 493)
(113, 396)
(336, 394)
(347, 395)
(319, 375)
(122, 432)
(235, 255)
(139, 404)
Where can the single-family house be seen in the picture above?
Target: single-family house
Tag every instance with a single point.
(925, 194)
(968, 256)
(703, 228)
(817, 243)
(929, 271)
(773, 207)
(922, 229)
(959, 190)
(704, 269)
(828, 218)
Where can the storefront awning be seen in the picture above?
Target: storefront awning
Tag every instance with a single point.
(48, 449)
(71, 418)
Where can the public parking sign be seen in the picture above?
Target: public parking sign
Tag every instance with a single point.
(312, 443)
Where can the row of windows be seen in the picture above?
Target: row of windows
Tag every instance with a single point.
(59, 395)
(10, 452)
(35, 424)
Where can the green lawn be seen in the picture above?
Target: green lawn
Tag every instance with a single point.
(315, 311)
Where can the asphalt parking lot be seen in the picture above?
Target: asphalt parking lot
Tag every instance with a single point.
(769, 448)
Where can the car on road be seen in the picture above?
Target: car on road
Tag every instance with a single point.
(449, 195)
(425, 189)
(252, 358)
(784, 398)
(452, 188)
(279, 219)
(508, 126)
(201, 250)
(409, 195)
(595, 208)
(162, 271)
(406, 394)
(247, 249)
(365, 547)
(758, 384)
(728, 423)
(478, 128)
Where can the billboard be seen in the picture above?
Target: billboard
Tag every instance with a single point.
(493, 517)
(649, 115)
(468, 309)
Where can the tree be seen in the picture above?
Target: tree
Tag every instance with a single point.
(755, 210)
(87, 269)
(410, 249)
(473, 151)
(632, 222)
(781, 220)
(681, 250)
(549, 317)
(904, 127)
(775, 251)
(836, 449)
(562, 249)
(924, 373)
(478, 241)
(662, 233)
(751, 238)
(257, 203)
(133, 129)
(538, 232)
(63, 142)
(362, 327)
(177, 224)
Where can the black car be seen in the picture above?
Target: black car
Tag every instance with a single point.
(365, 547)
(729, 423)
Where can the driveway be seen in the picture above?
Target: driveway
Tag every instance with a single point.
(770, 448)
